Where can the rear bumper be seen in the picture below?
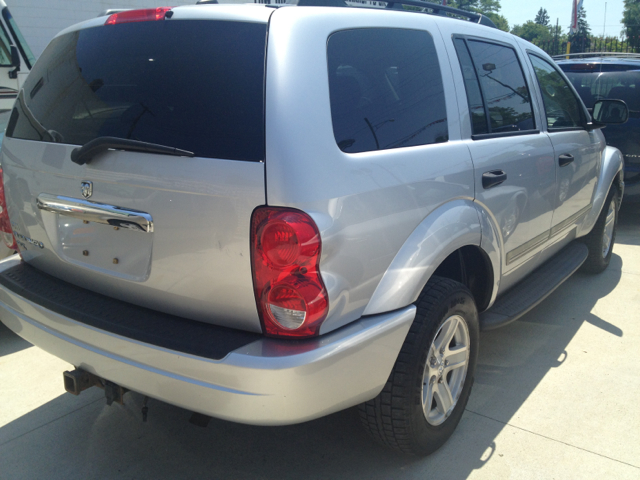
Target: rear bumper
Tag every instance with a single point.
(267, 382)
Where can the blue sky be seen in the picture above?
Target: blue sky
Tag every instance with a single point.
(519, 11)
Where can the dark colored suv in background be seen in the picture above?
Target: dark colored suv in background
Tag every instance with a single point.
(612, 75)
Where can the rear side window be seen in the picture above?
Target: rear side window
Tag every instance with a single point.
(193, 84)
(386, 89)
(499, 77)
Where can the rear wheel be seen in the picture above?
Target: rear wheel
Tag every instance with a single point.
(427, 391)
(601, 239)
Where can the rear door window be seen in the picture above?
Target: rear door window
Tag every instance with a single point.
(386, 89)
(499, 77)
(477, 111)
(196, 85)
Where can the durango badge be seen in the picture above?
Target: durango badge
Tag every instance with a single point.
(87, 189)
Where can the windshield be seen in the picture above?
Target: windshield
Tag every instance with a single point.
(594, 86)
(17, 35)
(5, 50)
(196, 85)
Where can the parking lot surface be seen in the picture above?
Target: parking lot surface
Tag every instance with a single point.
(556, 396)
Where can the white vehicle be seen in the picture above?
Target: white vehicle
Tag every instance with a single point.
(16, 59)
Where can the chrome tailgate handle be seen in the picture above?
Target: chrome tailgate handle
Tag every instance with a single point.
(96, 212)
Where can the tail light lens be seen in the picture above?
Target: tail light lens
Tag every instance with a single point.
(5, 224)
(145, 15)
(285, 255)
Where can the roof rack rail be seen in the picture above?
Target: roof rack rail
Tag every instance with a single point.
(570, 56)
(436, 9)
(443, 10)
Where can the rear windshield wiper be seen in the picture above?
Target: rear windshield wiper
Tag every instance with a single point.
(84, 154)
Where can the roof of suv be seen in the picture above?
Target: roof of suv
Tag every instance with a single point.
(430, 7)
(604, 58)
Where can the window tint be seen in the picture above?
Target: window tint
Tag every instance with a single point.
(619, 85)
(5, 51)
(191, 84)
(386, 89)
(474, 96)
(17, 34)
(561, 105)
(503, 86)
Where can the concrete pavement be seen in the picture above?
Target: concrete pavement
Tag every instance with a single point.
(556, 396)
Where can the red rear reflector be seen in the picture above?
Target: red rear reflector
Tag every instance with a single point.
(5, 224)
(145, 15)
(285, 255)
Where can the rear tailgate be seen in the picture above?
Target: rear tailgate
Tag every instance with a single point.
(166, 232)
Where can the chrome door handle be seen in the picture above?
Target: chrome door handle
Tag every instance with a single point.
(493, 178)
(96, 212)
(565, 159)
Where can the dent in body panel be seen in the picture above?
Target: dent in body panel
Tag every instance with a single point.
(449, 227)
(366, 204)
(612, 165)
(362, 233)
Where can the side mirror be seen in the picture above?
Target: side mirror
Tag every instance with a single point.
(611, 112)
(15, 62)
(15, 57)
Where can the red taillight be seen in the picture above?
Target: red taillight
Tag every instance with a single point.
(145, 15)
(5, 224)
(285, 255)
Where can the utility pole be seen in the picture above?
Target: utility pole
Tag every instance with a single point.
(605, 19)
(557, 47)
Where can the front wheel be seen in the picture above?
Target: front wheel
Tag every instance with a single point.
(427, 391)
(601, 239)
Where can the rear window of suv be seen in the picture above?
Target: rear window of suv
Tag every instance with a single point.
(197, 85)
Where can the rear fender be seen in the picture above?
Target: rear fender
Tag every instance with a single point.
(612, 165)
(449, 227)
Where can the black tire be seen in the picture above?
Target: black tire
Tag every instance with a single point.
(395, 418)
(597, 261)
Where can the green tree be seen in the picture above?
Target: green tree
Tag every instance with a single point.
(532, 31)
(631, 21)
(468, 5)
(500, 21)
(490, 8)
(581, 40)
(542, 18)
(478, 6)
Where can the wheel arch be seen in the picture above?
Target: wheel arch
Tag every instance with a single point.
(448, 241)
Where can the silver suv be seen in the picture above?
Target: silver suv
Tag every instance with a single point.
(267, 215)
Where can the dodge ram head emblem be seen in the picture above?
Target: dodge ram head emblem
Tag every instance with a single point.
(87, 189)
